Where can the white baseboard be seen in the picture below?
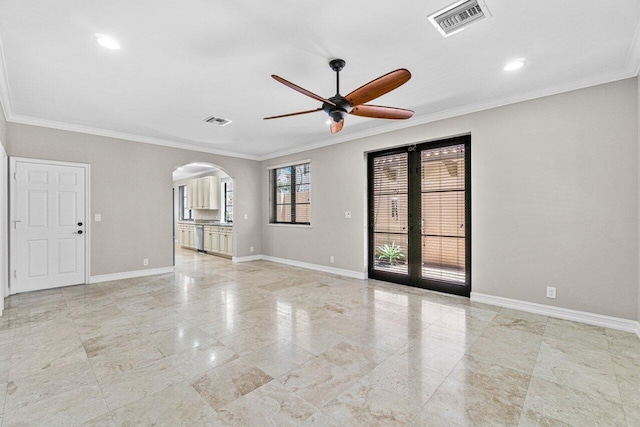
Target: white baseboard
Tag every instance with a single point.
(559, 312)
(316, 267)
(246, 258)
(130, 274)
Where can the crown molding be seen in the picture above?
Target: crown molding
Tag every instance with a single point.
(633, 58)
(124, 136)
(631, 70)
(5, 93)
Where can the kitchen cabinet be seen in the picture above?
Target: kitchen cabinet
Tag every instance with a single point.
(215, 240)
(226, 240)
(218, 239)
(203, 193)
(192, 194)
(191, 242)
(211, 242)
(186, 235)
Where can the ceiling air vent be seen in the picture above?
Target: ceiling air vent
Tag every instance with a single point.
(217, 121)
(455, 17)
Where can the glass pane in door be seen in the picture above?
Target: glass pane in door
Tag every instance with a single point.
(443, 214)
(390, 213)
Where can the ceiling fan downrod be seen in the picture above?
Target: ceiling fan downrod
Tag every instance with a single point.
(341, 107)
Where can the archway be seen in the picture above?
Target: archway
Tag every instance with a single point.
(203, 197)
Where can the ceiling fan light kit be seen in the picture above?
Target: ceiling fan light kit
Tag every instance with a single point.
(338, 106)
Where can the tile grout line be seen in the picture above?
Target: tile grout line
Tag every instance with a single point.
(104, 400)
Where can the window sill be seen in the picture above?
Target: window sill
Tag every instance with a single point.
(289, 225)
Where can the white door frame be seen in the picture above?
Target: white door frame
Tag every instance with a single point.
(12, 206)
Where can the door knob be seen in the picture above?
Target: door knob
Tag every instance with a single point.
(79, 231)
(79, 224)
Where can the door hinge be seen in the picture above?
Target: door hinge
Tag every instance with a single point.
(15, 274)
(15, 175)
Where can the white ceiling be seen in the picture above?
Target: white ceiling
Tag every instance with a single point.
(181, 62)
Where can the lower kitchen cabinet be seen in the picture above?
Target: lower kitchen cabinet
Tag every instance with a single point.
(186, 235)
(218, 240)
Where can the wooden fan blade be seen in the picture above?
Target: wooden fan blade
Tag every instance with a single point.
(379, 112)
(301, 90)
(336, 127)
(293, 114)
(378, 87)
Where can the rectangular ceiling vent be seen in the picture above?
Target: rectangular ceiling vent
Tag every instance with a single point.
(217, 121)
(455, 17)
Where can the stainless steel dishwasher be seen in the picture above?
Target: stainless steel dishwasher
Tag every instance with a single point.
(199, 238)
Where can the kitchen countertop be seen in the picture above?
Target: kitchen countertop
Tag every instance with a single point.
(221, 224)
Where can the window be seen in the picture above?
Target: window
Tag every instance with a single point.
(185, 212)
(228, 201)
(290, 194)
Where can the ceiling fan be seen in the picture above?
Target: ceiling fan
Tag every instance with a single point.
(338, 106)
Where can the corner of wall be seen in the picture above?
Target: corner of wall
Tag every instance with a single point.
(3, 128)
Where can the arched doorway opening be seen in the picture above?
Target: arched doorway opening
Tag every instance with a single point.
(203, 197)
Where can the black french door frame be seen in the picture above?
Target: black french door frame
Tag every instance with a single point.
(414, 255)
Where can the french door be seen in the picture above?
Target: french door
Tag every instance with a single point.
(419, 215)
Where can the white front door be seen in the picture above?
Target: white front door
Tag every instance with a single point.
(47, 225)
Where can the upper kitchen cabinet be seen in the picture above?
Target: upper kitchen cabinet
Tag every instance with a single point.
(204, 193)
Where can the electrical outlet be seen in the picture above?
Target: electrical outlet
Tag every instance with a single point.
(331, 259)
(551, 292)
(145, 261)
(251, 249)
(347, 214)
(98, 217)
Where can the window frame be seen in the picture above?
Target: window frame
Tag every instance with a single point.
(182, 193)
(228, 191)
(273, 191)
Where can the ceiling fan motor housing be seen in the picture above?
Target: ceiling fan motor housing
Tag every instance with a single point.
(338, 111)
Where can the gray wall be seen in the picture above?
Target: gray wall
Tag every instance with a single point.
(131, 187)
(554, 199)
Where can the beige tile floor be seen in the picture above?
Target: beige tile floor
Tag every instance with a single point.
(262, 344)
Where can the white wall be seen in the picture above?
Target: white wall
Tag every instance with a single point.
(131, 188)
(554, 199)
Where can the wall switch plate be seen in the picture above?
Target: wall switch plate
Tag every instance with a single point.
(331, 259)
(347, 214)
(246, 216)
(551, 292)
(98, 217)
(251, 249)
(145, 261)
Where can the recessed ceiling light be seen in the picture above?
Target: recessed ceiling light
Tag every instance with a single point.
(107, 42)
(514, 65)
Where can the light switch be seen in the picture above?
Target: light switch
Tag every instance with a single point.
(246, 216)
(347, 214)
(98, 217)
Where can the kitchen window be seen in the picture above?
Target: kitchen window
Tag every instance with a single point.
(228, 201)
(185, 212)
(290, 194)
